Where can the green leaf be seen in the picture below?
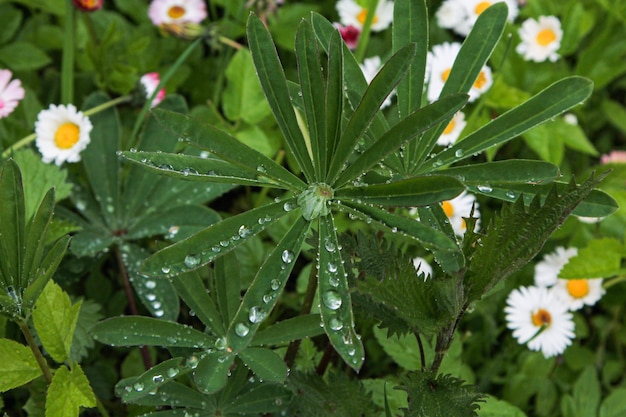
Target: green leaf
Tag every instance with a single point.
(587, 263)
(503, 172)
(545, 143)
(40, 177)
(227, 284)
(412, 192)
(385, 81)
(151, 380)
(89, 314)
(228, 148)
(265, 363)
(194, 293)
(10, 20)
(442, 395)
(334, 296)
(212, 242)
(264, 291)
(138, 331)
(264, 398)
(12, 238)
(174, 223)
(68, 392)
(55, 319)
(614, 405)
(274, 84)
(211, 374)
(23, 56)
(334, 96)
(171, 394)
(36, 237)
(540, 108)
(243, 97)
(435, 217)
(492, 407)
(586, 393)
(616, 113)
(295, 328)
(18, 365)
(100, 158)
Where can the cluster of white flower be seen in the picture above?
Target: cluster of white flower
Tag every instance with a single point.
(540, 315)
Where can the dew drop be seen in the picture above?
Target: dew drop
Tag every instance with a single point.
(288, 206)
(333, 281)
(192, 362)
(267, 298)
(332, 267)
(191, 261)
(332, 299)
(260, 169)
(458, 153)
(151, 284)
(172, 372)
(241, 329)
(159, 313)
(157, 379)
(351, 351)
(166, 269)
(329, 245)
(335, 324)
(275, 284)
(221, 343)
(256, 314)
(138, 387)
(484, 188)
(510, 194)
(287, 256)
(243, 231)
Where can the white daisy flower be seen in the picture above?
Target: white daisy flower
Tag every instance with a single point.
(538, 318)
(576, 293)
(150, 82)
(451, 14)
(62, 133)
(547, 270)
(352, 14)
(474, 8)
(452, 132)
(168, 12)
(423, 267)
(10, 93)
(370, 68)
(458, 208)
(439, 64)
(541, 39)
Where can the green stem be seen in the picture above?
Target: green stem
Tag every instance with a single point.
(364, 37)
(613, 281)
(230, 42)
(41, 361)
(67, 63)
(91, 30)
(28, 139)
(101, 408)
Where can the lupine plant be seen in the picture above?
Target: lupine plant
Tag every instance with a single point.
(350, 161)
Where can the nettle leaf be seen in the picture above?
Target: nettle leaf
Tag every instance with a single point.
(68, 392)
(55, 319)
(19, 366)
(517, 235)
(587, 263)
(438, 396)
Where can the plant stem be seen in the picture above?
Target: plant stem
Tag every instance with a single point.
(325, 361)
(421, 347)
(67, 60)
(41, 361)
(230, 42)
(307, 303)
(101, 408)
(364, 37)
(145, 355)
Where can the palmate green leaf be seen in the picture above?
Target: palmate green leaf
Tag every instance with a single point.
(405, 130)
(312, 84)
(589, 264)
(211, 374)
(517, 235)
(503, 172)
(474, 53)
(192, 168)
(18, 365)
(12, 226)
(550, 102)
(68, 392)
(228, 148)
(194, 293)
(151, 380)
(334, 296)
(175, 223)
(295, 328)
(381, 86)
(227, 284)
(417, 191)
(138, 331)
(55, 320)
(334, 96)
(172, 394)
(274, 84)
(435, 217)
(265, 363)
(439, 396)
(212, 242)
(100, 160)
(262, 295)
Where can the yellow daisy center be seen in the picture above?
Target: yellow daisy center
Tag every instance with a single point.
(363, 15)
(67, 135)
(480, 81)
(545, 37)
(449, 128)
(448, 208)
(578, 288)
(445, 74)
(541, 318)
(176, 12)
(481, 7)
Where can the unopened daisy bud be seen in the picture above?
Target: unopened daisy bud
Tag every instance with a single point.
(350, 34)
(187, 30)
(88, 5)
(149, 82)
(62, 133)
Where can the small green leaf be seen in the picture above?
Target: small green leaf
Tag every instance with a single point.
(265, 363)
(227, 284)
(587, 263)
(492, 407)
(18, 365)
(614, 405)
(194, 293)
(68, 392)
(138, 331)
(11, 227)
(295, 328)
(55, 320)
(23, 56)
(10, 21)
(211, 374)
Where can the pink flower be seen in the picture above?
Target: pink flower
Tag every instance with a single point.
(612, 157)
(150, 82)
(10, 93)
(350, 34)
(88, 5)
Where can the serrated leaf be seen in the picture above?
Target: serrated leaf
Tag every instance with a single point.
(265, 363)
(18, 365)
(295, 328)
(138, 331)
(88, 315)
(587, 263)
(55, 320)
(211, 374)
(68, 392)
